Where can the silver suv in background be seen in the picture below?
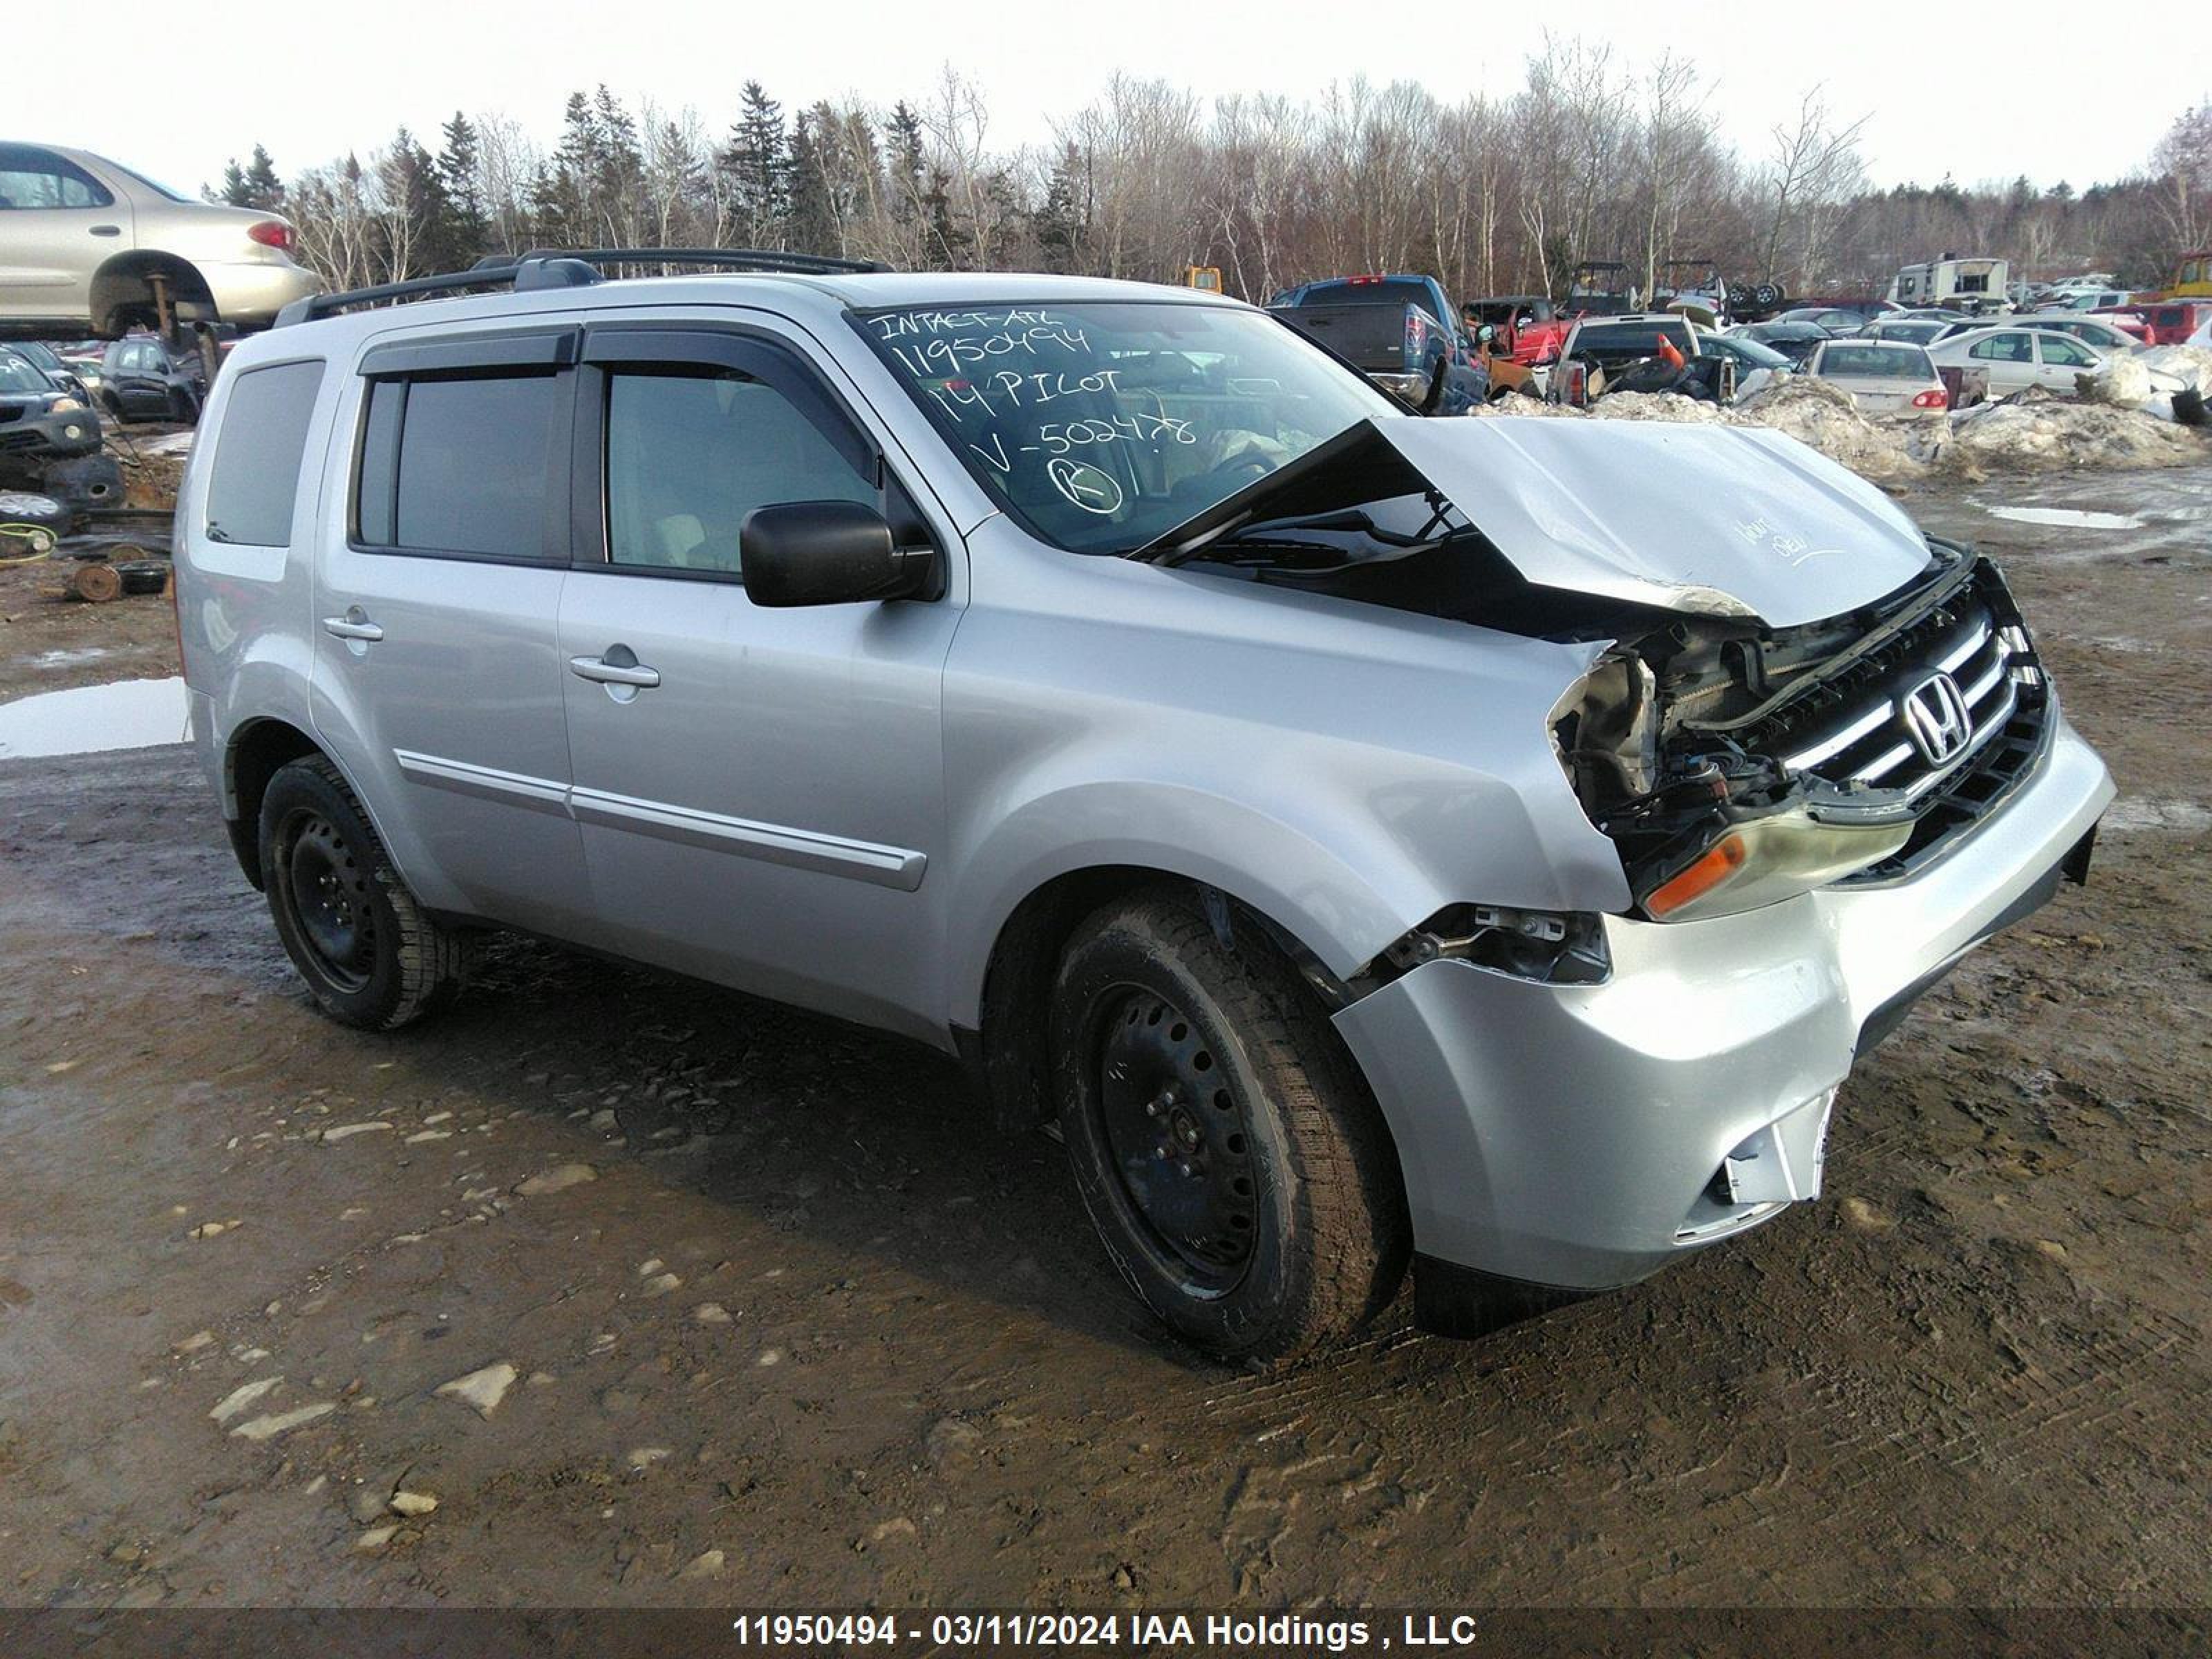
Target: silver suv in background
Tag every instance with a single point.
(87, 245)
(1484, 842)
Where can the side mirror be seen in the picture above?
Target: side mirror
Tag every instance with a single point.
(800, 553)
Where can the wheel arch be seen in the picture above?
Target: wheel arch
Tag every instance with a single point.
(121, 287)
(252, 756)
(1008, 1046)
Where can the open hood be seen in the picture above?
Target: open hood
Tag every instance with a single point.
(1712, 520)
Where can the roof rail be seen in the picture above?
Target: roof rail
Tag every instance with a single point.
(547, 268)
(730, 258)
(483, 274)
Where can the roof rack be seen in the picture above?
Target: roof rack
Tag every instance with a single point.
(549, 268)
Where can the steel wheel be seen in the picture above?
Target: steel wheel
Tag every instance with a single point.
(1181, 1146)
(328, 894)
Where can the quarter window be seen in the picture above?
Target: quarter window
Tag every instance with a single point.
(459, 465)
(257, 455)
(690, 453)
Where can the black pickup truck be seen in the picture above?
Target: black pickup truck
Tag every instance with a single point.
(1399, 331)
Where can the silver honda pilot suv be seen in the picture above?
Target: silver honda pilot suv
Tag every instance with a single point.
(1479, 845)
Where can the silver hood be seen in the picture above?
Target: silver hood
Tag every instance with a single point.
(1723, 520)
(1714, 521)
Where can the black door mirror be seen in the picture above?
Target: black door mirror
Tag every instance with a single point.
(829, 553)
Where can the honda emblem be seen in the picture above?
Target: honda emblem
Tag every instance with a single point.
(1936, 716)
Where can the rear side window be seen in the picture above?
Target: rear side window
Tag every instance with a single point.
(258, 453)
(459, 465)
(31, 177)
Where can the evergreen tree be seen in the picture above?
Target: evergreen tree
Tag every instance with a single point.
(466, 233)
(264, 189)
(812, 221)
(758, 161)
(907, 163)
(561, 203)
(1060, 223)
(616, 192)
(235, 190)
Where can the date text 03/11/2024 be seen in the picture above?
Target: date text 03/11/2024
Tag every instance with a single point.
(1104, 1630)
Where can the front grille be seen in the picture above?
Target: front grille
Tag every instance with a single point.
(1971, 667)
(16, 413)
(1873, 742)
(15, 441)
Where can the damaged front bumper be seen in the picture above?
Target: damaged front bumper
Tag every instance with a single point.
(1580, 1137)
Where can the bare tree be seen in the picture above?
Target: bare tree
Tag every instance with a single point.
(1815, 165)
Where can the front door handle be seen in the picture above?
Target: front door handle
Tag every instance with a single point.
(353, 625)
(610, 671)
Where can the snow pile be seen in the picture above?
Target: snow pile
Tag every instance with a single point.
(1656, 406)
(1822, 415)
(2122, 381)
(2189, 363)
(2130, 424)
(2038, 434)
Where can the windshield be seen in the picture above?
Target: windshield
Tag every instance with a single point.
(18, 374)
(1099, 427)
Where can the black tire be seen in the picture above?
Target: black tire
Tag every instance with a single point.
(1265, 1218)
(359, 937)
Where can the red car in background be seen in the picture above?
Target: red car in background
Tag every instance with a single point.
(2162, 322)
(1528, 327)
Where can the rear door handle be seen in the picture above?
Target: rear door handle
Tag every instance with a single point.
(632, 672)
(106, 230)
(352, 626)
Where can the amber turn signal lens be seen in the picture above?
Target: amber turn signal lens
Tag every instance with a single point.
(1710, 868)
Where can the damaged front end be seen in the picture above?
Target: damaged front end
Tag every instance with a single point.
(1736, 765)
(1798, 687)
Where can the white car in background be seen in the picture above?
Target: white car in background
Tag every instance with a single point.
(2095, 333)
(2017, 358)
(87, 246)
(1884, 377)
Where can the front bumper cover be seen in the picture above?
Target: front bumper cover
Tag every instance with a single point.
(1572, 1136)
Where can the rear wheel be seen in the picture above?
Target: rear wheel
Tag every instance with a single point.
(1225, 1147)
(359, 937)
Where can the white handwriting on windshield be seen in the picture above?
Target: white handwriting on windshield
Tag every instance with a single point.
(994, 371)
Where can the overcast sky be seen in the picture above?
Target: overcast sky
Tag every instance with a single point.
(2037, 87)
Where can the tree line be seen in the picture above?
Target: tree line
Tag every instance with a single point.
(1589, 157)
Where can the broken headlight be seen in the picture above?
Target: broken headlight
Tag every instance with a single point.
(1761, 861)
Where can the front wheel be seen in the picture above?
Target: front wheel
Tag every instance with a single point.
(1229, 1154)
(365, 946)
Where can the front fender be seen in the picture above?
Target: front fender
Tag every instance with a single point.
(1342, 913)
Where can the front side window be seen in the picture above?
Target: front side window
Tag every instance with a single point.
(257, 454)
(690, 452)
(33, 177)
(2067, 353)
(1100, 426)
(459, 463)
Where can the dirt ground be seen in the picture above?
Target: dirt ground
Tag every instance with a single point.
(811, 1333)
